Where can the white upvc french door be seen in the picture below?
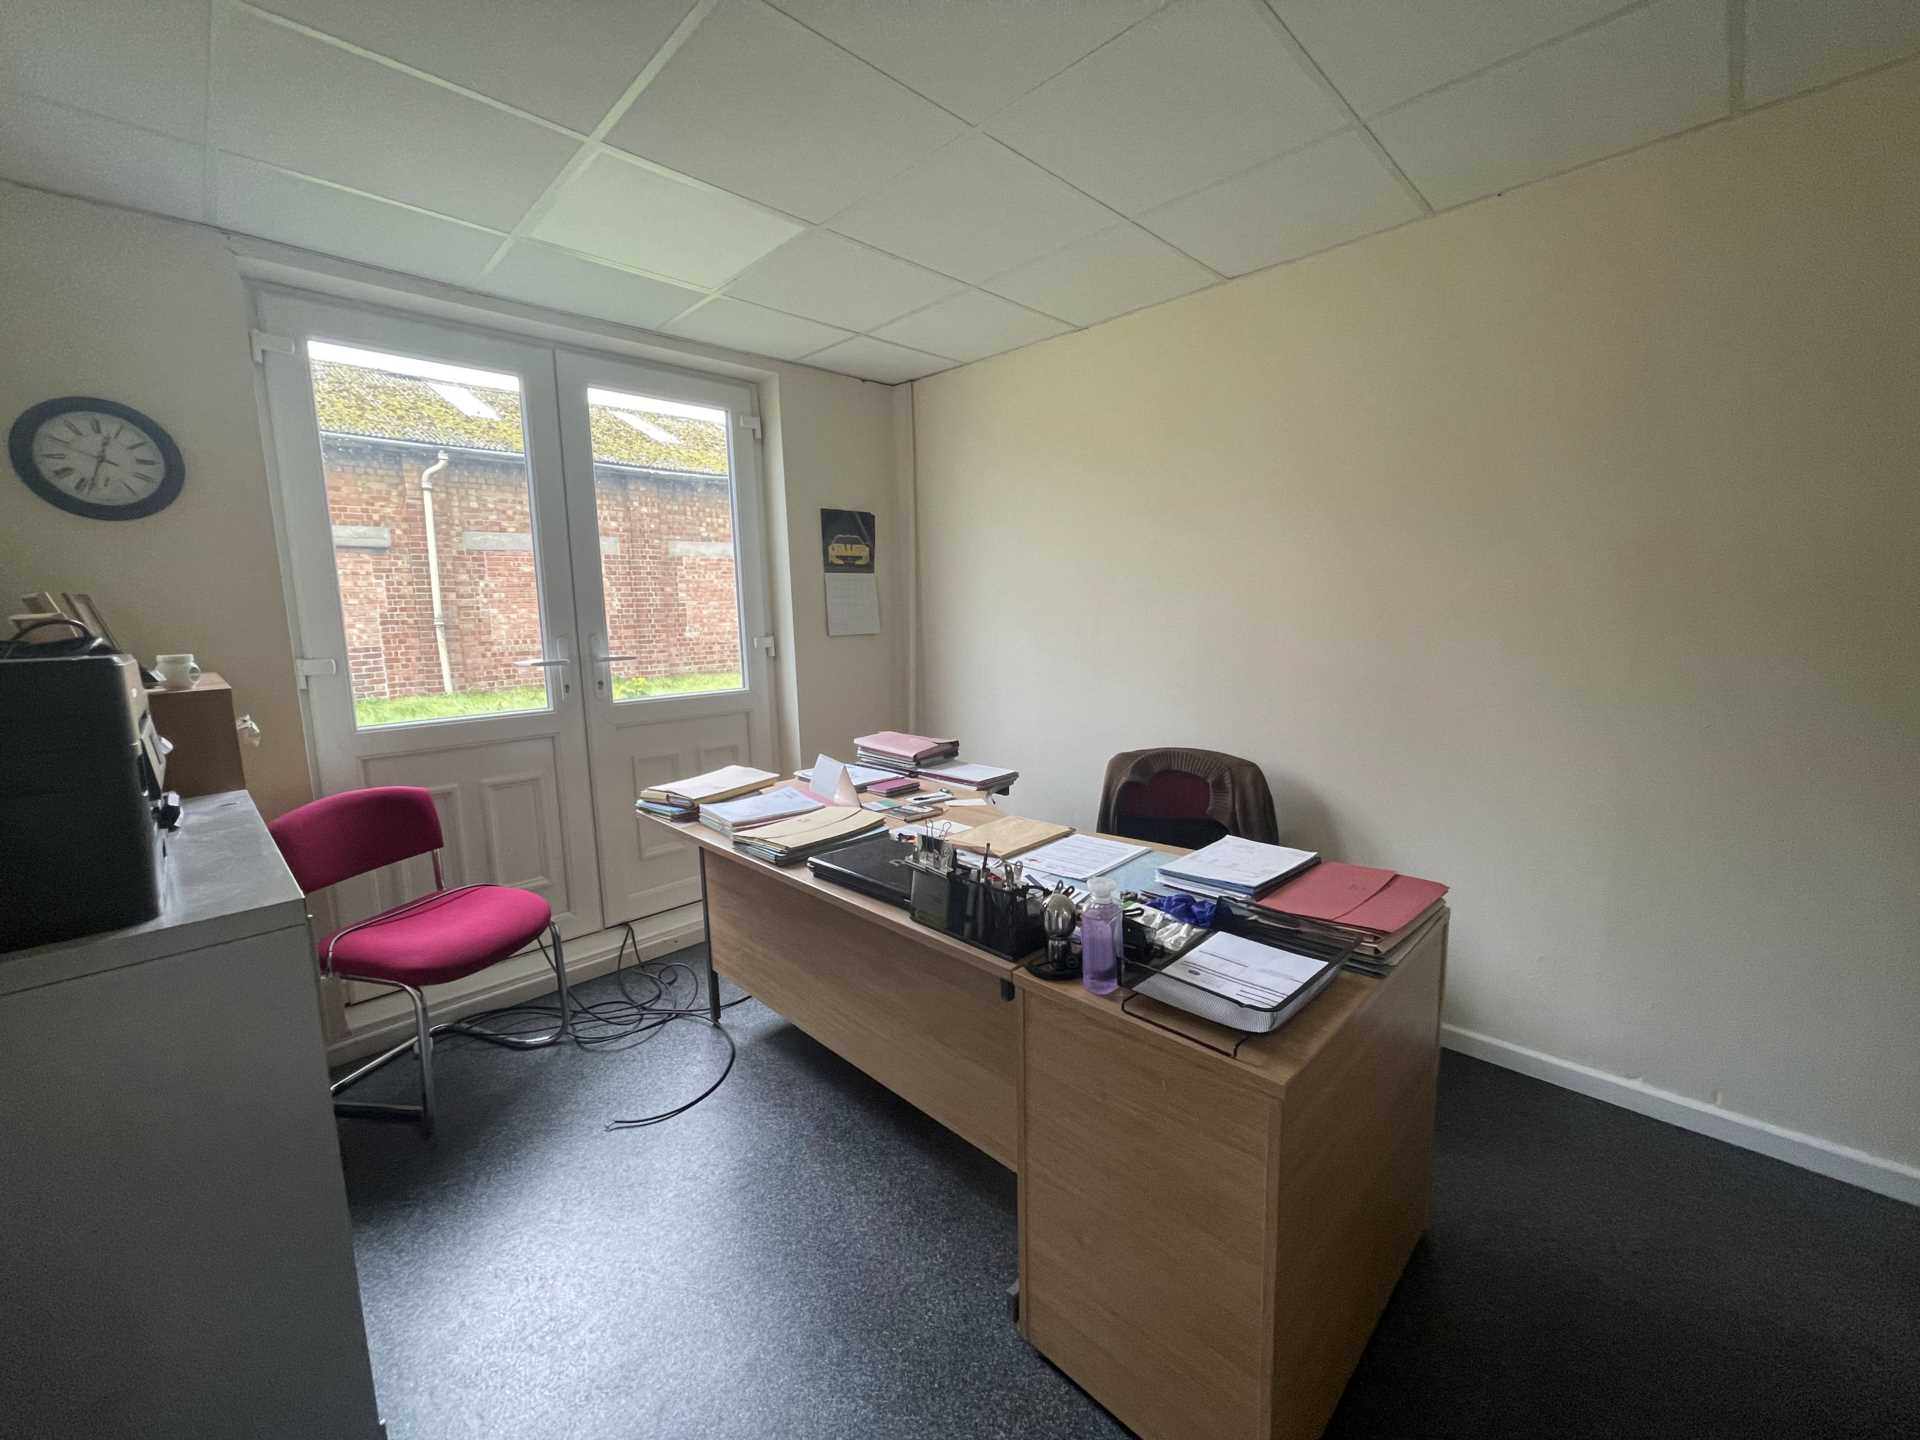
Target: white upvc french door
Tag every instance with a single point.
(532, 580)
(423, 500)
(663, 490)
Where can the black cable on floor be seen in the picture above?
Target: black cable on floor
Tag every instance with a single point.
(632, 1020)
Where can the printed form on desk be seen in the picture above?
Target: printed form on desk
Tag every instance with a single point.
(1081, 857)
(1245, 971)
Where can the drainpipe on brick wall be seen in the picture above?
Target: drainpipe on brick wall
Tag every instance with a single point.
(433, 571)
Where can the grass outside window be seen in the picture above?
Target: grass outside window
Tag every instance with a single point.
(421, 709)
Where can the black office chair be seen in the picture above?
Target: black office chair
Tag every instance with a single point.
(1190, 798)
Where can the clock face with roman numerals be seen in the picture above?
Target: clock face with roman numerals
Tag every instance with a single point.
(96, 458)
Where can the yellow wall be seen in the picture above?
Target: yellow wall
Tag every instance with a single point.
(154, 313)
(1565, 548)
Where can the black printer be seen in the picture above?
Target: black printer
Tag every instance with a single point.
(84, 808)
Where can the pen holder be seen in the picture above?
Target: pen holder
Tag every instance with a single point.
(961, 904)
(929, 897)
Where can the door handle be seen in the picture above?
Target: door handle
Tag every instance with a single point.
(604, 665)
(540, 664)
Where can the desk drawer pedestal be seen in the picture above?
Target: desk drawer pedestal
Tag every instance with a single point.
(1205, 1254)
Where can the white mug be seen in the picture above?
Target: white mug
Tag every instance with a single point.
(177, 672)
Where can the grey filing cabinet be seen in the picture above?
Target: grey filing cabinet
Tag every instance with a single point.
(177, 1258)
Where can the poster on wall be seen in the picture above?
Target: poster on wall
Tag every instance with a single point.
(846, 555)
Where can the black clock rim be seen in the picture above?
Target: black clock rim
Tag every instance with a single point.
(20, 451)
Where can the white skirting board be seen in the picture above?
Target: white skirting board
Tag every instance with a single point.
(1810, 1152)
(387, 1020)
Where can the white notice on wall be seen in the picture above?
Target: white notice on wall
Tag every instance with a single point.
(853, 605)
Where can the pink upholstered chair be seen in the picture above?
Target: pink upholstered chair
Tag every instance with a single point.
(441, 936)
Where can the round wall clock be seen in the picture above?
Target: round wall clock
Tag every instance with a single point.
(96, 458)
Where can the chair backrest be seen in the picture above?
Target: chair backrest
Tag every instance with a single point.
(1179, 796)
(348, 834)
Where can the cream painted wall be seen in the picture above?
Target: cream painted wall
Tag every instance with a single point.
(154, 312)
(834, 440)
(1565, 548)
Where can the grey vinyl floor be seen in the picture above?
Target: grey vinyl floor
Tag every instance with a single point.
(804, 1255)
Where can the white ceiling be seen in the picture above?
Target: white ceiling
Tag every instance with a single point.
(879, 187)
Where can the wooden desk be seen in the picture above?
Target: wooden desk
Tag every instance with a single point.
(1206, 1239)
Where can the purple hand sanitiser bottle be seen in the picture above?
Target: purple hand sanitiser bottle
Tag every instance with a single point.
(1100, 937)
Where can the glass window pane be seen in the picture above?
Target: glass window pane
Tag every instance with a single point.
(427, 489)
(663, 492)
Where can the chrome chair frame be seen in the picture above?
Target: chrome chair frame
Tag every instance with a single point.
(423, 1027)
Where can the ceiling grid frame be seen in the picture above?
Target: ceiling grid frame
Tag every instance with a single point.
(1852, 34)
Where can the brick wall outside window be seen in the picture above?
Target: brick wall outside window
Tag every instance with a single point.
(666, 555)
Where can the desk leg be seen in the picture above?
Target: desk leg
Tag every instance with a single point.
(713, 972)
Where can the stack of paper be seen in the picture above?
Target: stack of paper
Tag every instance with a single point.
(973, 775)
(1379, 909)
(1235, 869)
(863, 776)
(1241, 983)
(761, 808)
(787, 842)
(721, 784)
(895, 750)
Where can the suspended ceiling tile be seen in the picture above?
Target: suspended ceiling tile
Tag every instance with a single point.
(1329, 193)
(262, 201)
(75, 153)
(1381, 52)
(1201, 90)
(567, 62)
(971, 326)
(974, 210)
(1793, 45)
(308, 106)
(624, 212)
(830, 278)
(1649, 73)
(872, 359)
(762, 106)
(141, 61)
(973, 58)
(542, 275)
(755, 329)
(1104, 275)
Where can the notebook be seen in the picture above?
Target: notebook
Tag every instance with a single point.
(874, 867)
(721, 784)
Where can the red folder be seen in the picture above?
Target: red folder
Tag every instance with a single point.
(1355, 896)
